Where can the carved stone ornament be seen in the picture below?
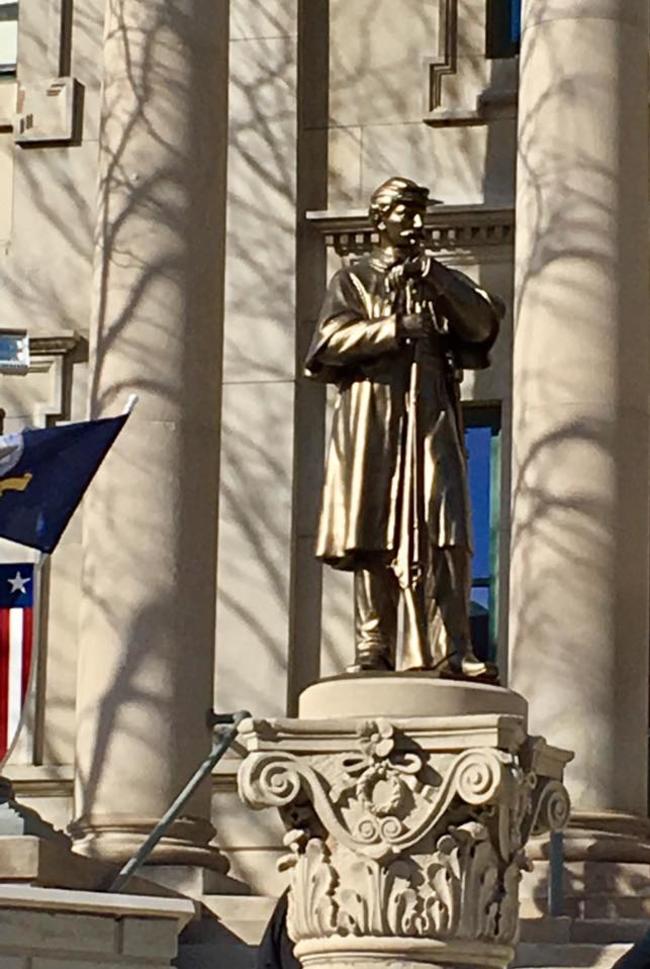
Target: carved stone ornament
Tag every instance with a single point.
(398, 851)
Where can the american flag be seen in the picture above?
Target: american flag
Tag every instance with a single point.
(16, 631)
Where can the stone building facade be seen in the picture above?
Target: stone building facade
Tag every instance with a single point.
(177, 180)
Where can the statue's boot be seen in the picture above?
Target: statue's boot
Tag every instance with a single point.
(367, 661)
(471, 667)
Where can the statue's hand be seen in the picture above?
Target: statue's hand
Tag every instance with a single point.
(414, 326)
(407, 271)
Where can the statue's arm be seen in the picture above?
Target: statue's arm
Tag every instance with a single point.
(472, 313)
(345, 335)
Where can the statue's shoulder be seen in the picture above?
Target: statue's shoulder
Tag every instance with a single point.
(365, 268)
(355, 273)
(360, 263)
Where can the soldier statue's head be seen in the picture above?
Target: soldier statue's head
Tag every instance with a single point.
(397, 209)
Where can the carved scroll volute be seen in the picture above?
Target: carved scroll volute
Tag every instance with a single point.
(374, 801)
(397, 843)
(269, 780)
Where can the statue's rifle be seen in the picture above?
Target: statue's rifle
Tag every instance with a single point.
(409, 558)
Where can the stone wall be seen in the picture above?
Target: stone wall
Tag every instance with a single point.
(57, 929)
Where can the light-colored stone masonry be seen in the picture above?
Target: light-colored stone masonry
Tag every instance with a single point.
(56, 929)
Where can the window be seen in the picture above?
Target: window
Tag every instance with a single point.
(503, 28)
(8, 36)
(483, 444)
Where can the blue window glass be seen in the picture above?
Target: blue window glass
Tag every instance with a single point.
(503, 28)
(515, 21)
(8, 36)
(483, 444)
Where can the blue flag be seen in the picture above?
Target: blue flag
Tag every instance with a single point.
(43, 476)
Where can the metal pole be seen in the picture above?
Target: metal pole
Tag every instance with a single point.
(220, 745)
(556, 875)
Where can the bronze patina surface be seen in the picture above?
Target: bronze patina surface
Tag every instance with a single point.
(395, 330)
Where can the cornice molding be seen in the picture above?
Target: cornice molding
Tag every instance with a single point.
(59, 345)
(449, 229)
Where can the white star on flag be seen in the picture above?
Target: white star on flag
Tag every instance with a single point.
(18, 583)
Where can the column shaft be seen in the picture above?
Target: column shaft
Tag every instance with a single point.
(150, 525)
(579, 566)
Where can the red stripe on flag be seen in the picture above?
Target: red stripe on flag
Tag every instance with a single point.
(27, 649)
(4, 679)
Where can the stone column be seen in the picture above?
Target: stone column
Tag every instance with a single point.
(579, 567)
(147, 621)
(406, 831)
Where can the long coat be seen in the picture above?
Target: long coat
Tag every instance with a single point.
(382, 420)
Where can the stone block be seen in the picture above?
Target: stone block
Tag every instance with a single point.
(258, 868)
(255, 532)
(148, 938)
(450, 160)
(240, 829)
(592, 890)
(46, 276)
(87, 53)
(245, 916)
(545, 930)
(602, 877)
(64, 962)
(535, 956)
(12, 962)
(260, 254)
(344, 168)
(262, 19)
(607, 931)
(609, 907)
(376, 71)
(471, 27)
(337, 650)
(47, 931)
(209, 955)
(7, 109)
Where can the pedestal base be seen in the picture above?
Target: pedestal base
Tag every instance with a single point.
(369, 953)
(408, 801)
(406, 695)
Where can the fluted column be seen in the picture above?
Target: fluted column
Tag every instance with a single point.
(579, 565)
(150, 523)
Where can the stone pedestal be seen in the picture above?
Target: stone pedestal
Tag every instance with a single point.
(406, 831)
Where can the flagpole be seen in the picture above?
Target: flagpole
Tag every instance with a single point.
(130, 404)
(39, 659)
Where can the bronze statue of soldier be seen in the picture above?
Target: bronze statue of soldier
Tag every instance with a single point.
(395, 329)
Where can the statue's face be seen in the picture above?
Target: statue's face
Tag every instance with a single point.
(402, 226)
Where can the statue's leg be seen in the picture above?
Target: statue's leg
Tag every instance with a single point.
(443, 609)
(376, 596)
(415, 653)
(447, 590)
